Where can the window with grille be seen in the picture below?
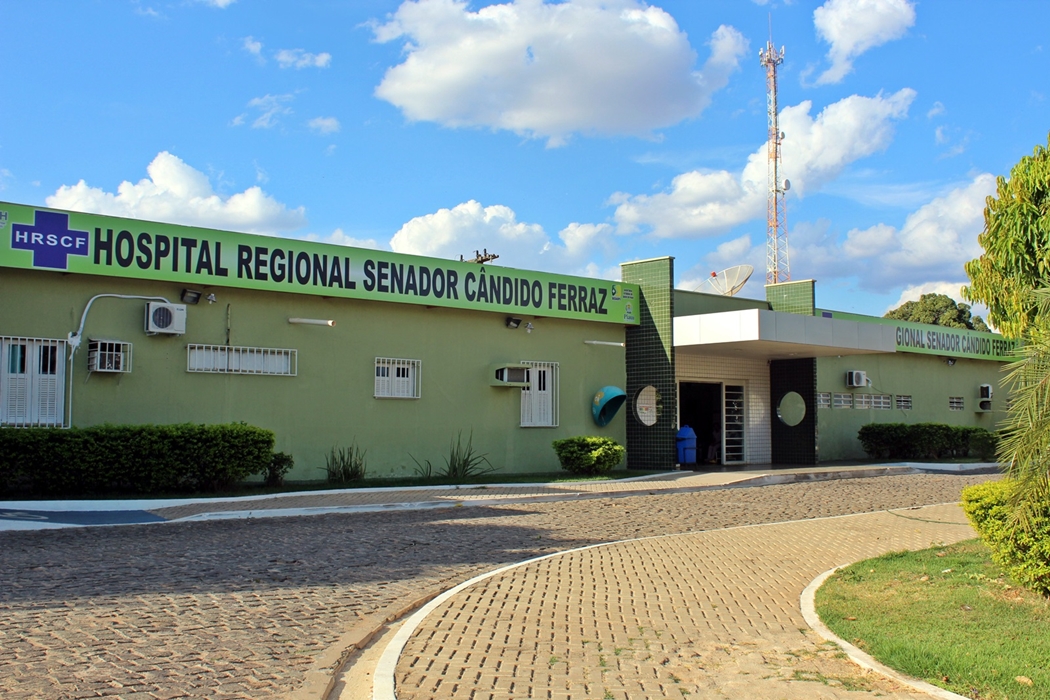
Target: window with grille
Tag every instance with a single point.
(397, 378)
(881, 402)
(904, 402)
(842, 401)
(32, 382)
(109, 356)
(956, 403)
(539, 400)
(862, 401)
(823, 399)
(233, 359)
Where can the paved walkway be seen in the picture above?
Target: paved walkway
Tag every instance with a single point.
(267, 607)
(713, 614)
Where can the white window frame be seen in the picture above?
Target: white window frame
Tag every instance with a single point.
(839, 400)
(823, 399)
(34, 395)
(956, 403)
(397, 378)
(239, 359)
(540, 399)
(903, 402)
(862, 401)
(881, 402)
(109, 356)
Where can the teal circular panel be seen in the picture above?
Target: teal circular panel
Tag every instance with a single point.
(792, 409)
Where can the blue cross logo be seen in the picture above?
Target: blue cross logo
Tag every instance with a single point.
(50, 239)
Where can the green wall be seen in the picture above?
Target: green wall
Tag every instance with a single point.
(330, 402)
(692, 303)
(928, 380)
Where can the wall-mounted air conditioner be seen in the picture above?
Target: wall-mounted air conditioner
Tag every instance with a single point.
(856, 377)
(509, 374)
(984, 396)
(166, 318)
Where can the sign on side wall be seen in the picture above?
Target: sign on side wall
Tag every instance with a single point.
(32, 238)
(926, 339)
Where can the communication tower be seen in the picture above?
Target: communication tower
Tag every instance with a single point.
(777, 266)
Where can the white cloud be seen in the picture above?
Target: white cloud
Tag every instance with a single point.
(221, 4)
(854, 26)
(297, 58)
(815, 151)
(338, 237)
(549, 70)
(324, 125)
(912, 293)
(936, 110)
(253, 47)
(470, 226)
(177, 193)
(270, 108)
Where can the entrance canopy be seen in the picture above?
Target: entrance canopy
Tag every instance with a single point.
(777, 335)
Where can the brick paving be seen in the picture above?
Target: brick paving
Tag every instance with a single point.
(714, 614)
(242, 608)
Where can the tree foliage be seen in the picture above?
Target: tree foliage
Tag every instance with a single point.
(1016, 242)
(940, 310)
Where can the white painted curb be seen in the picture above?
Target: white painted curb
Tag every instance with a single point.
(809, 612)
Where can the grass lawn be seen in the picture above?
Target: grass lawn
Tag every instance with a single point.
(947, 615)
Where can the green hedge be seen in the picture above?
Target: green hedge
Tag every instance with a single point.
(588, 455)
(139, 459)
(1023, 552)
(926, 441)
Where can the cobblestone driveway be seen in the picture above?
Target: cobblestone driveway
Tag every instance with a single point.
(241, 608)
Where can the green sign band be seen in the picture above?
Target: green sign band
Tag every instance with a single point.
(46, 239)
(925, 339)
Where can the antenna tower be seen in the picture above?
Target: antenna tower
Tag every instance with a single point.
(777, 267)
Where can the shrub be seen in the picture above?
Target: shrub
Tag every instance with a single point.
(1023, 552)
(140, 459)
(346, 464)
(588, 455)
(462, 463)
(280, 464)
(926, 441)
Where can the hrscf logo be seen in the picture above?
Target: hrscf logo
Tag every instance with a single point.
(628, 312)
(50, 239)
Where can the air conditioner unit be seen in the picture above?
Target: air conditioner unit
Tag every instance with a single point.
(856, 377)
(166, 318)
(109, 356)
(509, 375)
(984, 395)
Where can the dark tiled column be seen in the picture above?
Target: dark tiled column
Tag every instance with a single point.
(794, 444)
(650, 360)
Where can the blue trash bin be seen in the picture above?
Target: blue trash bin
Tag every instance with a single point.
(686, 442)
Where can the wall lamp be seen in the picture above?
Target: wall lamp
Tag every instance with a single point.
(513, 322)
(312, 321)
(605, 342)
(190, 296)
(529, 327)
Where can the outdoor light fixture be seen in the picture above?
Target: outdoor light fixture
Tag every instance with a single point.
(211, 299)
(512, 322)
(312, 321)
(190, 296)
(529, 327)
(604, 342)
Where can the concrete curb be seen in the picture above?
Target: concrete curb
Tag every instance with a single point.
(809, 612)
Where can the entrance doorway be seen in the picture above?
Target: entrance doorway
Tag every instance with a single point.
(700, 407)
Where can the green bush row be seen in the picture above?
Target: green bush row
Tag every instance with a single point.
(1024, 552)
(588, 455)
(926, 441)
(140, 459)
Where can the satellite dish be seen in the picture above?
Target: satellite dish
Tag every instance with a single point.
(727, 282)
(787, 184)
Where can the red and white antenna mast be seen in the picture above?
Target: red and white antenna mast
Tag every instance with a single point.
(777, 267)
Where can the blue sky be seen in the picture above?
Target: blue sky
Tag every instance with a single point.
(566, 137)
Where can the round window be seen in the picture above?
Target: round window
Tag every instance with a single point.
(791, 409)
(647, 405)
